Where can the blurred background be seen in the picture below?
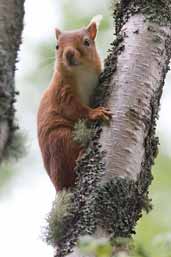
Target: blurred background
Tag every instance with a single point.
(26, 193)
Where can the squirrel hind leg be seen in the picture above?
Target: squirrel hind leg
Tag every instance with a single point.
(64, 153)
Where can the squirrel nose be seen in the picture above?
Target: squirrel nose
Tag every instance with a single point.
(71, 57)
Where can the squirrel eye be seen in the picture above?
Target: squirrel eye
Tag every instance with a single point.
(86, 42)
(57, 47)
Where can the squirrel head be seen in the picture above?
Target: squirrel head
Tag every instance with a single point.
(76, 49)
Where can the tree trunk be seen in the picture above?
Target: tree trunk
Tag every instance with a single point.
(11, 26)
(114, 175)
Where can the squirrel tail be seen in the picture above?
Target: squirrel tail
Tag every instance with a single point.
(64, 153)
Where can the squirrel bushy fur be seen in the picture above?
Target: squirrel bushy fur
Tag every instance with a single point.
(67, 100)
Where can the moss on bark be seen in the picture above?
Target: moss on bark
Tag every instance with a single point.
(117, 204)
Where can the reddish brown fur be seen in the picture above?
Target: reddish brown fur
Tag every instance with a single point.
(61, 107)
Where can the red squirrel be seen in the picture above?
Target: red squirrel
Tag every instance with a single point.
(67, 100)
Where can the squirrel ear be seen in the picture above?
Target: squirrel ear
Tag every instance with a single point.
(94, 25)
(57, 33)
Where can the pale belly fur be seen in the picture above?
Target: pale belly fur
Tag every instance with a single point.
(86, 83)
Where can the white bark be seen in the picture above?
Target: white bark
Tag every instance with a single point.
(139, 73)
(109, 201)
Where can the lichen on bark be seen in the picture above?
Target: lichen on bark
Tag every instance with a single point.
(157, 11)
(114, 175)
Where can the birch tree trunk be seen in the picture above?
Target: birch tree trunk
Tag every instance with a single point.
(114, 175)
(11, 26)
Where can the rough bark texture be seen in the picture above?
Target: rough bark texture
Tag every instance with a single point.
(11, 26)
(140, 70)
(114, 176)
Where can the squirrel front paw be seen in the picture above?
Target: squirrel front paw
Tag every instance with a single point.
(100, 113)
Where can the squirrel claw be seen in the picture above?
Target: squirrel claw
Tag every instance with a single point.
(100, 113)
